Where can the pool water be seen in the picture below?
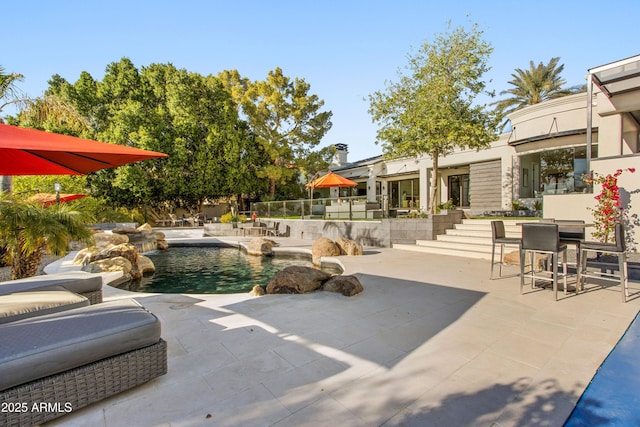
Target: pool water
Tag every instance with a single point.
(211, 270)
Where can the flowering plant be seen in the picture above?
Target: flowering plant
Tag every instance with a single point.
(609, 209)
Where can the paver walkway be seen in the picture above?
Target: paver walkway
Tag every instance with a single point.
(430, 342)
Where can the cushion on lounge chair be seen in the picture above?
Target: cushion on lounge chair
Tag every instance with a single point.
(21, 305)
(79, 282)
(45, 345)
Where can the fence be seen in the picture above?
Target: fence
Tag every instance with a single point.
(356, 207)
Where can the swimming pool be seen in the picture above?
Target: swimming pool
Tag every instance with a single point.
(213, 270)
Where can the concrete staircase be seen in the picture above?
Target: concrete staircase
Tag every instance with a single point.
(471, 239)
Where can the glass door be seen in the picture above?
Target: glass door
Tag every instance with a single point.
(458, 190)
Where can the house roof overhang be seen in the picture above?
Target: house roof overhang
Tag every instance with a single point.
(617, 77)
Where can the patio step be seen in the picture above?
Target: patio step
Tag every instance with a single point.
(471, 239)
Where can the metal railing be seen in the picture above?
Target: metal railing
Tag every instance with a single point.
(351, 208)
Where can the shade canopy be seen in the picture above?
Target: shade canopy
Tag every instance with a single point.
(331, 180)
(48, 199)
(34, 152)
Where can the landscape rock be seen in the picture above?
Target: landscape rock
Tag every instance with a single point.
(104, 239)
(513, 258)
(323, 247)
(146, 227)
(260, 246)
(109, 265)
(162, 245)
(145, 265)
(348, 246)
(125, 250)
(345, 285)
(257, 291)
(297, 280)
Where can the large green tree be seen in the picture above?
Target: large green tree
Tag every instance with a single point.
(537, 84)
(285, 118)
(432, 109)
(186, 115)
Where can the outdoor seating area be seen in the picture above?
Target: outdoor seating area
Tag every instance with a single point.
(550, 238)
(61, 343)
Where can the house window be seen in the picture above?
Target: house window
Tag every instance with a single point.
(404, 193)
(560, 171)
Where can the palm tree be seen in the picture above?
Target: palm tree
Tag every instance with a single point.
(27, 230)
(537, 84)
(9, 92)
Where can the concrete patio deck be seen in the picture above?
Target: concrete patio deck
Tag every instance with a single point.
(430, 342)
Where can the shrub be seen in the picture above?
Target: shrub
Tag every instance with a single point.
(230, 217)
(517, 205)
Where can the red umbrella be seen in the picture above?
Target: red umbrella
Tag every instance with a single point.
(34, 152)
(48, 199)
(331, 180)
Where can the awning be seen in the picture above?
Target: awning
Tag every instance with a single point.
(617, 77)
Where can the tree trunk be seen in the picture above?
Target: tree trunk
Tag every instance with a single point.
(433, 202)
(27, 265)
(272, 187)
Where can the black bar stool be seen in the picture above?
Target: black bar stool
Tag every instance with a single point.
(543, 238)
(498, 236)
(618, 248)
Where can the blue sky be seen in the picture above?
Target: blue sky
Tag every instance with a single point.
(344, 49)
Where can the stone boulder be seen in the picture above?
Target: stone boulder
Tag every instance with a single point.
(345, 285)
(145, 228)
(348, 246)
(162, 245)
(323, 247)
(109, 265)
(145, 265)
(125, 230)
(297, 280)
(87, 255)
(260, 246)
(257, 291)
(104, 239)
(125, 250)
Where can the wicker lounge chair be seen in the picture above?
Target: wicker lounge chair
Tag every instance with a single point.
(71, 359)
(86, 284)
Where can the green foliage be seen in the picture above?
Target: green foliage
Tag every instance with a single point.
(26, 229)
(9, 92)
(284, 118)
(517, 205)
(447, 205)
(213, 153)
(417, 214)
(230, 217)
(431, 109)
(537, 205)
(28, 185)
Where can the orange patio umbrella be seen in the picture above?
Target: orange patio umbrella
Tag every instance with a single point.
(331, 179)
(34, 152)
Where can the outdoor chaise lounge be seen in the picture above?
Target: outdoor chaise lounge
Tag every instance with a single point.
(60, 362)
(86, 284)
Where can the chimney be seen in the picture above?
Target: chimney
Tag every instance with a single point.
(340, 157)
